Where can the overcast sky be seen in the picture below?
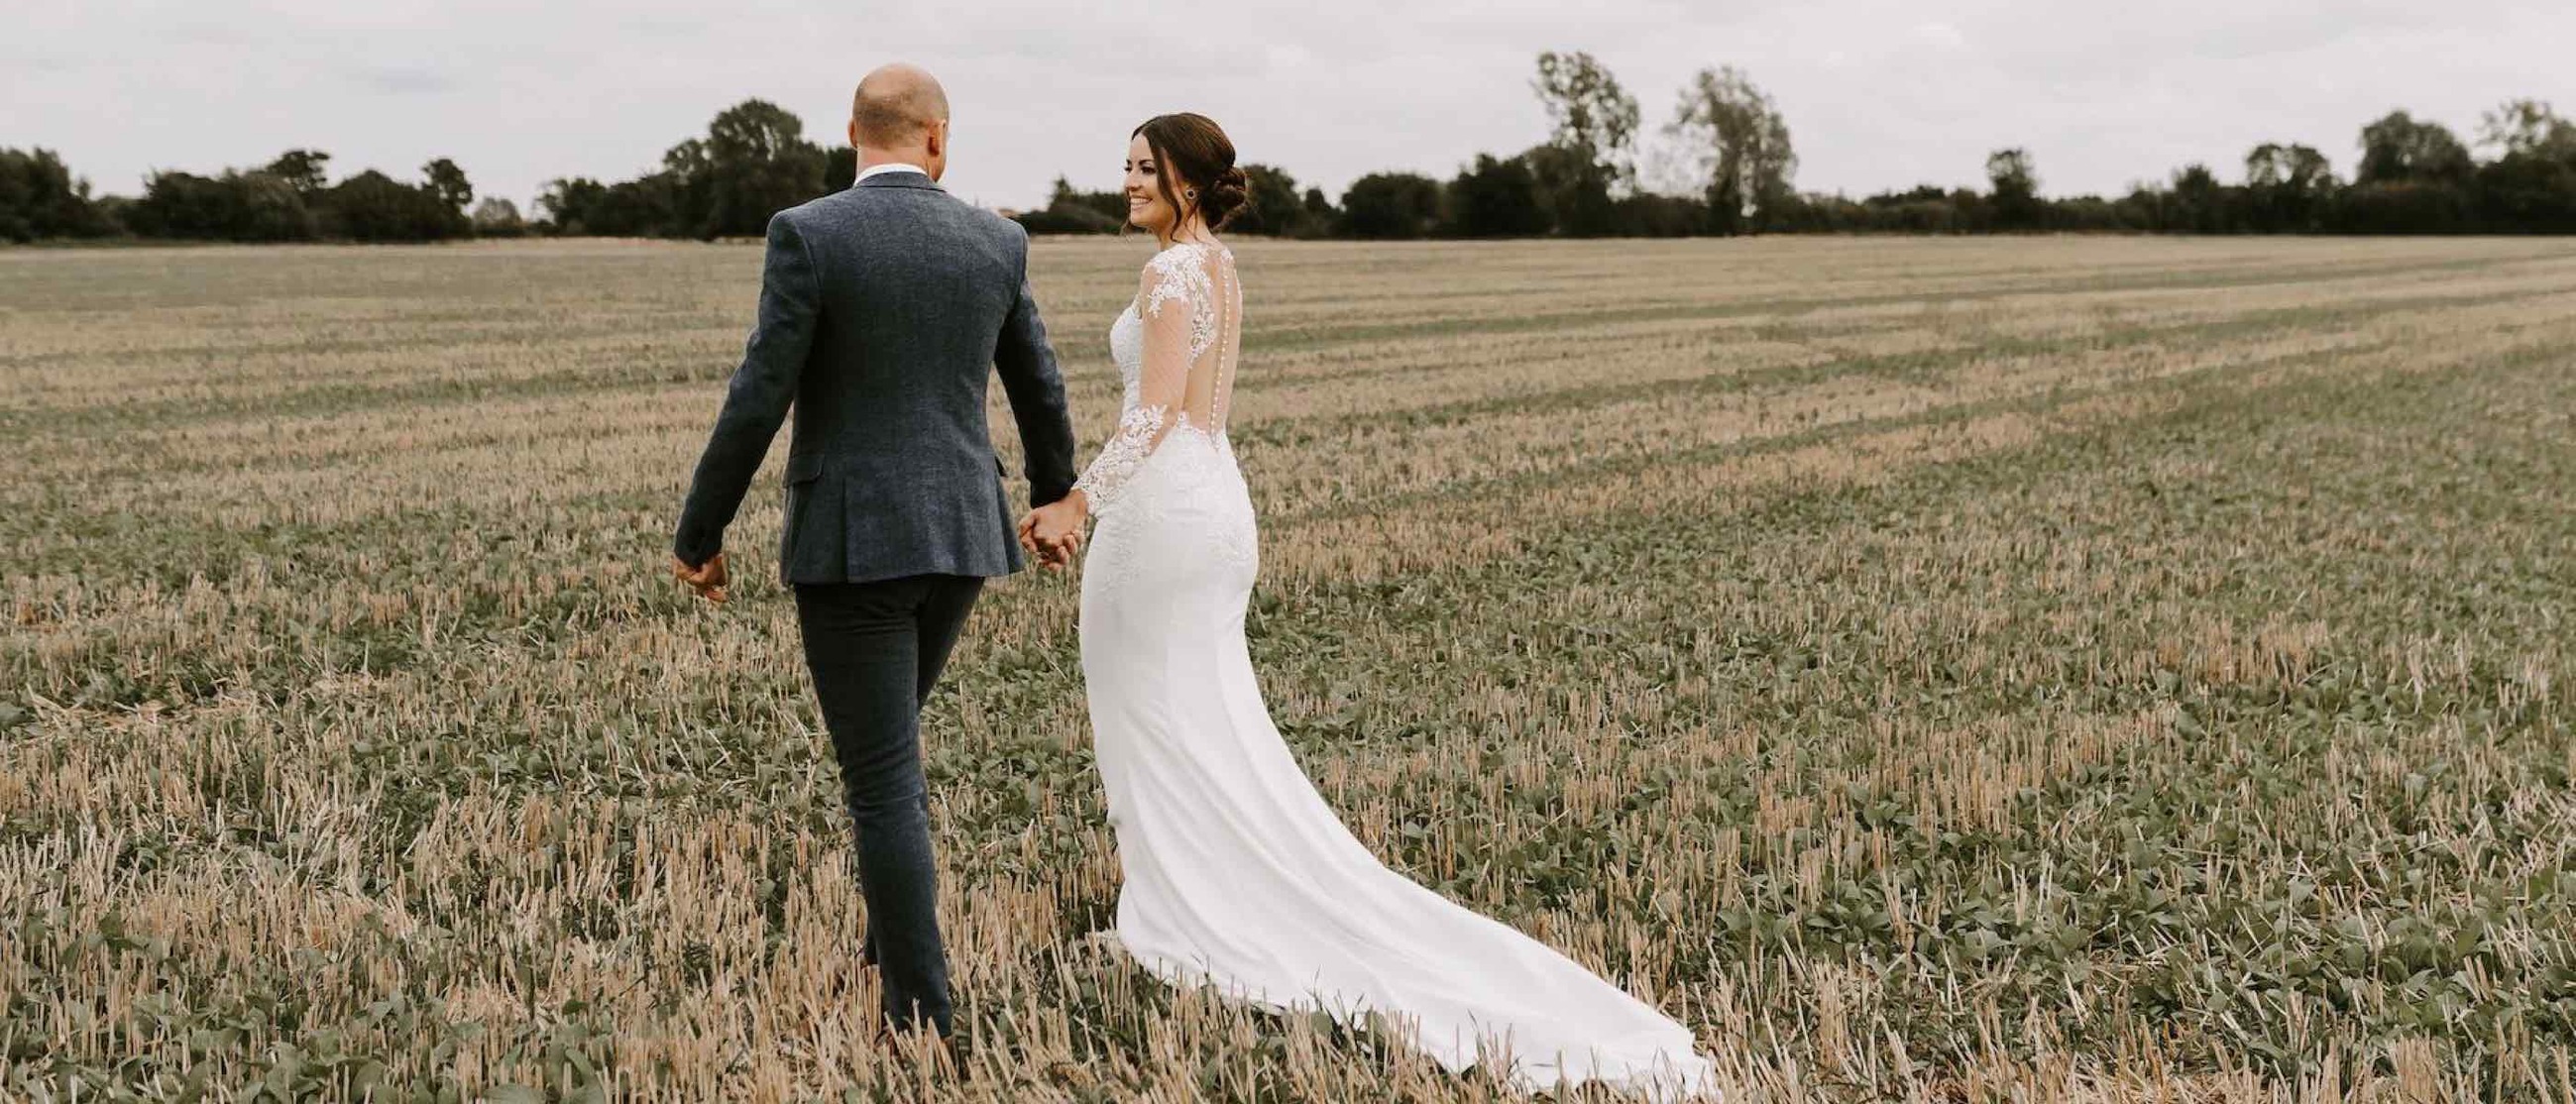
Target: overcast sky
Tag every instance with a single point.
(1878, 94)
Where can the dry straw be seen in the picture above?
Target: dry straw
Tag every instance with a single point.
(1933, 670)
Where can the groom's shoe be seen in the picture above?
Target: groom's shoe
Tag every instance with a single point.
(924, 1042)
(868, 949)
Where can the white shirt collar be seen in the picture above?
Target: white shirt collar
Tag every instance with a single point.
(889, 167)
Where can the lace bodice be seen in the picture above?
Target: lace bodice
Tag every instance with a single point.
(1175, 346)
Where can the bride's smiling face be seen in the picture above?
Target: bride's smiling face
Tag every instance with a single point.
(1147, 209)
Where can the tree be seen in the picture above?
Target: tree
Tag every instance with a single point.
(1573, 191)
(2086, 213)
(1071, 211)
(2414, 178)
(2397, 148)
(303, 170)
(1391, 205)
(447, 182)
(237, 206)
(646, 206)
(2528, 127)
(2401, 207)
(688, 177)
(1922, 209)
(2526, 193)
(447, 185)
(1273, 207)
(2016, 189)
(840, 169)
(2294, 166)
(754, 163)
(2531, 186)
(1496, 199)
(567, 202)
(1648, 215)
(2198, 203)
(2287, 187)
(1590, 153)
(1109, 205)
(1740, 143)
(373, 207)
(496, 217)
(39, 198)
(1321, 218)
(1591, 114)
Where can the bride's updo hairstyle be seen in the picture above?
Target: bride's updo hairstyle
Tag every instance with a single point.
(1192, 149)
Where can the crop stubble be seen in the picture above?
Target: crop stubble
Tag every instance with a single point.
(1939, 669)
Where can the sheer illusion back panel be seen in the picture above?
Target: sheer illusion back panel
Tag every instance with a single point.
(1187, 318)
(1200, 276)
(1211, 383)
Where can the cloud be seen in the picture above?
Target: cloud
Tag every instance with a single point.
(1941, 35)
(402, 80)
(1879, 94)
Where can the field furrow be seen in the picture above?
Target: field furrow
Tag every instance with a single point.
(1931, 669)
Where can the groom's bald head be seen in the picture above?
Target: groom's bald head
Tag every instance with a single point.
(897, 107)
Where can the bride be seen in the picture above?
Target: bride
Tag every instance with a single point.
(1236, 873)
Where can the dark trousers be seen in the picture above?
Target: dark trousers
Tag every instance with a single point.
(875, 650)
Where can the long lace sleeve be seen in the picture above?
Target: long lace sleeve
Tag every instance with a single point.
(1174, 303)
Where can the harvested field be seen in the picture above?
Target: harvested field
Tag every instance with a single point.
(1931, 669)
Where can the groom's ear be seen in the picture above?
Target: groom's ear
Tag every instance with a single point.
(854, 134)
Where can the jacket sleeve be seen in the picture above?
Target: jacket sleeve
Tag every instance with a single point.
(1036, 390)
(756, 400)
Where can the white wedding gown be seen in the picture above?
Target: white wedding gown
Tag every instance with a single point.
(1237, 874)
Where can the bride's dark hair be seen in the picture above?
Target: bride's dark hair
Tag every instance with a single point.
(1191, 147)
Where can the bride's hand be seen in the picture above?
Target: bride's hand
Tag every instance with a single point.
(1054, 531)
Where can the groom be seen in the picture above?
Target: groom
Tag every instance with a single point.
(883, 311)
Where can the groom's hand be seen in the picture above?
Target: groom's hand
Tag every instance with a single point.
(1053, 532)
(708, 578)
(1050, 554)
(1029, 542)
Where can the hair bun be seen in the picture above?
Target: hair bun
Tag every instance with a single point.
(1226, 196)
(1192, 149)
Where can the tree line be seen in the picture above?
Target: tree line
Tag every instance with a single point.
(289, 199)
(753, 161)
(1727, 147)
(1738, 163)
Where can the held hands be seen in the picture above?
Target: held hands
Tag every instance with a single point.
(707, 578)
(1053, 532)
